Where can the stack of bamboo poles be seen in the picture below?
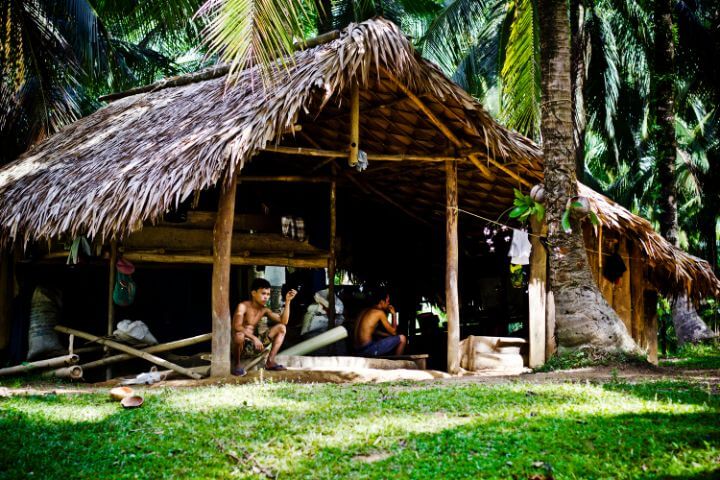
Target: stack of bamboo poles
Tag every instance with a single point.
(62, 367)
(66, 366)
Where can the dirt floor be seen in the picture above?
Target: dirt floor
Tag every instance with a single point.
(424, 378)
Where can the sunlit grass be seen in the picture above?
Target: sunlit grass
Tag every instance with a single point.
(613, 430)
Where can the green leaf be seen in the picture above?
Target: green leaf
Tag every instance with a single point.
(594, 219)
(539, 212)
(518, 194)
(565, 221)
(576, 204)
(517, 211)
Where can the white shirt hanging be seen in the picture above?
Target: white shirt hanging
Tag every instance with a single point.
(520, 248)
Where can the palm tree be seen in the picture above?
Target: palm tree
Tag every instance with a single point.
(58, 56)
(583, 317)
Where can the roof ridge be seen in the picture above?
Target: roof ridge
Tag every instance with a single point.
(210, 73)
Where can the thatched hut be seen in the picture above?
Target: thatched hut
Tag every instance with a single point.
(432, 150)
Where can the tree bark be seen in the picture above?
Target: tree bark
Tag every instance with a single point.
(689, 327)
(324, 16)
(583, 319)
(665, 119)
(579, 47)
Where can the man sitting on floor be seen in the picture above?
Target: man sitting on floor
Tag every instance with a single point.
(247, 341)
(374, 335)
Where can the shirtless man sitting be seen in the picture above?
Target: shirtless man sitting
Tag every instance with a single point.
(247, 341)
(374, 335)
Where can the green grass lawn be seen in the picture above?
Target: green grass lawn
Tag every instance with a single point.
(695, 356)
(403, 430)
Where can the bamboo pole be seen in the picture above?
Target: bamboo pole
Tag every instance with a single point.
(354, 125)
(162, 347)
(317, 152)
(452, 303)
(284, 179)
(110, 303)
(74, 372)
(331, 258)
(309, 152)
(64, 360)
(316, 261)
(132, 351)
(222, 251)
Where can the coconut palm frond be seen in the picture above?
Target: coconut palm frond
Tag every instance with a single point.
(602, 87)
(249, 32)
(521, 71)
(461, 25)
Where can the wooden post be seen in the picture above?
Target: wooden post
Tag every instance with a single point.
(452, 303)
(331, 259)
(354, 124)
(622, 292)
(110, 304)
(6, 297)
(221, 316)
(651, 325)
(537, 296)
(637, 292)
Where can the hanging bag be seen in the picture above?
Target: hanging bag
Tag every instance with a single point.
(124, 291)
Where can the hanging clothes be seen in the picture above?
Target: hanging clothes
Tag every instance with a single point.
(520, 248)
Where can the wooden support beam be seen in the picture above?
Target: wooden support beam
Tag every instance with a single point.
(222, 246)
(316, 261)
(132, 351)
(374, 191)
(380, 157)
(6, 297)
(283, 179)
(331, 258)
(452, 137)
(354, 147)
(309, 152)
(452, 303)
(110, 303)
(537, 295)
(319, 40)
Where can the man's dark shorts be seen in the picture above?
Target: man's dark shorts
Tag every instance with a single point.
(380, 347)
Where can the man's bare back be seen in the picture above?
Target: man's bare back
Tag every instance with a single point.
(367, 328)
(367, 324)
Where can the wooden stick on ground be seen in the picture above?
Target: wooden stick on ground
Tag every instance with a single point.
(132, 351)
(49, 363)
(162, 347)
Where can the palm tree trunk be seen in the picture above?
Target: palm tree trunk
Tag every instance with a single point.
(689, 327)
(579, 50)
(583, 317)
(665, 110)
(324, 16)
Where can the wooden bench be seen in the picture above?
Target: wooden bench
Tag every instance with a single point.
(419, 359)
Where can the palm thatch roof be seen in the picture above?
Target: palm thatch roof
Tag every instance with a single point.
(130, 162)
